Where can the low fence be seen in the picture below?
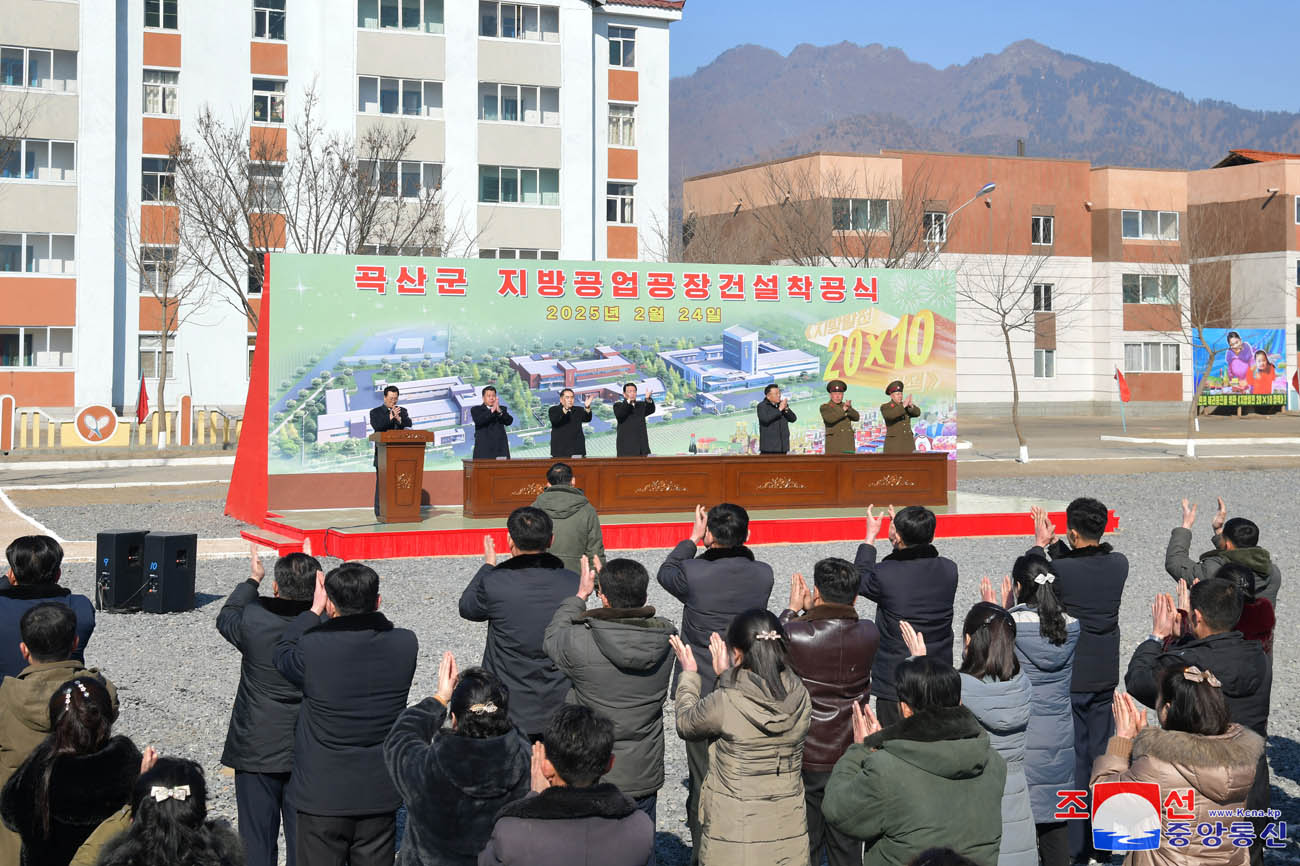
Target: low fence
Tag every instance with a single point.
(28, 429)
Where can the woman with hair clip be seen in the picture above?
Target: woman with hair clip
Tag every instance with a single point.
(454, 779)
(752, 800)
(1046, 638)
(78, 777)
(1196, 747)
(169, 823)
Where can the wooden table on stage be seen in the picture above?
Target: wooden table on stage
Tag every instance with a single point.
(628, 485)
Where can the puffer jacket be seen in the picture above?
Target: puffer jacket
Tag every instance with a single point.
(1003, 709)
(1049, 739)
(576, 525)
(1219, 769)
(752, 801)
(1180, 565)
(619, 662)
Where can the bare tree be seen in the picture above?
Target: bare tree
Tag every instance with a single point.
(710, 238)
(17, 110)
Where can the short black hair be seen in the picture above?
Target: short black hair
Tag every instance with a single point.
(50, 631)
(353, 587)
(623, 582)
(768, 389)
(486, 388)
(295, 575)
(478, 687)
(564, 391)
(579, 742)
(836, 579)
(530, 528)
(926, 683)
(1241, 532)
(1197, 708)
(915, 525)
(1232, 334)
(1219, 602)
(1242, 575)
(559, 473)
(729, 524)
(627, 385)
(35, 559)
(1087, 517)
(391, 389)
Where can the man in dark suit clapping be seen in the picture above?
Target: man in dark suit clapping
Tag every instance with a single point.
(389, 416)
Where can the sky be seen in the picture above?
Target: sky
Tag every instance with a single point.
(1244, 53)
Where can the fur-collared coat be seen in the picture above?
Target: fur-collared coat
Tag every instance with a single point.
(220, 847)
(1219, 769)
(596, 826)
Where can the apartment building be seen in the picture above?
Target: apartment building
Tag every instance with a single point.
(544, 124)
(1100, 252)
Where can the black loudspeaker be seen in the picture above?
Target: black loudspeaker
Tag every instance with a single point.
(169, 572)
(119, 569)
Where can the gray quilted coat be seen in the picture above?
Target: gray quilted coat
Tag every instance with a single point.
(1049, 746)
(1003, 710)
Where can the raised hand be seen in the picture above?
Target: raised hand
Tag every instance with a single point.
(1044, 531)
(1128, 718)
(319, 598)
(908, 401)
(1184, 597)
(986, 590)
(489, 550)
(873, 524)
(700, 525)
(1189, 513)
(685, 655)
(148, 759)
(447, 676)
(255, 569)
(306, 544)
(1220, 517)
(586, 579)
(914, 640)
(864, 721)
(538, 779)
(1162, 616)
(800, 598)
(718, 649)
(1008, 592)
(586, 404)
(848, 403)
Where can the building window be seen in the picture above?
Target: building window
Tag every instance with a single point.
(1150, 288)
(157, 177)
(860, 214)
(36, 347)
(618, 203)
(935, 226)
(507, 185)
(157, 268)
(1297, 210)
(37, 253)
(1044, 363)
(404, 96)
(268, 19)
(252, 346)
(1040, 230)
(622, 46)
(406, 179)
(409, 252)
(160, 88)
(622, 125)
(412, 16)
(1152, 225)
(509, 253)
(160, 14)
(38, 68)
(39, 159)
(268, 100)
(151, 357)
(519, 21)
(265, 187)
(513, 103)
(1151, 358)
(1042, 297)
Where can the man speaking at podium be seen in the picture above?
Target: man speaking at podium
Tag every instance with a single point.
(389, 416)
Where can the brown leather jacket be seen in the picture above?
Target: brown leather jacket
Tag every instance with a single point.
(832, 651)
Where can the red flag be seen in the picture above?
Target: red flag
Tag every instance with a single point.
(1124, 394)
(1295, 381)
(142, 403)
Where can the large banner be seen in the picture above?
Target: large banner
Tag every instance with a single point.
(702, 339)
(1249, 367)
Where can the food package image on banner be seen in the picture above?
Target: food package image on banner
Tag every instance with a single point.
(701, 340)
(1249, 367)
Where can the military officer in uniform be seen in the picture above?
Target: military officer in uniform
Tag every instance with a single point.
(898, 414)
(838, 415)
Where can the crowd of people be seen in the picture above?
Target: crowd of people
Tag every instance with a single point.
(551, 749)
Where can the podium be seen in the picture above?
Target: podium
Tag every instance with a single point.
(401, 473)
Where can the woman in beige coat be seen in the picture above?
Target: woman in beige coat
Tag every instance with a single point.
(1196, 747)
(752, 801)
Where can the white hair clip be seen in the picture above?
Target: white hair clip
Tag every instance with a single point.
(767, 635)
(1045, 577)
(489, 707)
(159, 793)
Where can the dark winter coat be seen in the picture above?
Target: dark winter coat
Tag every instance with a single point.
(713, 588)
(517, 599)
(25, 707)
(930, 781)
(619, 662)
(490, 438)
(596, 826)
(1179, 564)
(1049, 740)
(773, 428)
(222, 843)
(1090, 582)
(381, 421)
(632, 439)
(84, 790)
(576, 525)
(1003, 708)
(914, 585)
(839, 419)
(355, 674)
(452, 785)
(567, 436)
(262, 720)
(899, 438)
(831, 650)
(16, 600)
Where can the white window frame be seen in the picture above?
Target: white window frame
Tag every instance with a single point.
(1044, 363)
(1154, 357)
(1153, 232)
(27, 146)
(932, 220)
(430, 174)
(264, 13)
(1166, 289)
(622, 47)
(424, 22)
(519, 175)
(160, 12)
(408, 252)
(141, 337)
(266, 185)
(150, 256)
(271, 97)
(518, 253)
(24, 331)
(162, 179)
(621, 196)
(622, 124)
(541, 97)
(25, 73)
(852, 206)
(1043, 228)
(520, 16)
(1043, 297)
(168, 91)
(27, 260)
(429, 91)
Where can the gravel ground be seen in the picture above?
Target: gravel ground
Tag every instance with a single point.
(196, 508)
(176, 677)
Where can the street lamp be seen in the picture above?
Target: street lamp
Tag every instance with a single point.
(984, 190)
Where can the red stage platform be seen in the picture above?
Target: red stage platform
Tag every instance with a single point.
(352, 533)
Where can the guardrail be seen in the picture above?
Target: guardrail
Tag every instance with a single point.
(34, 429)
